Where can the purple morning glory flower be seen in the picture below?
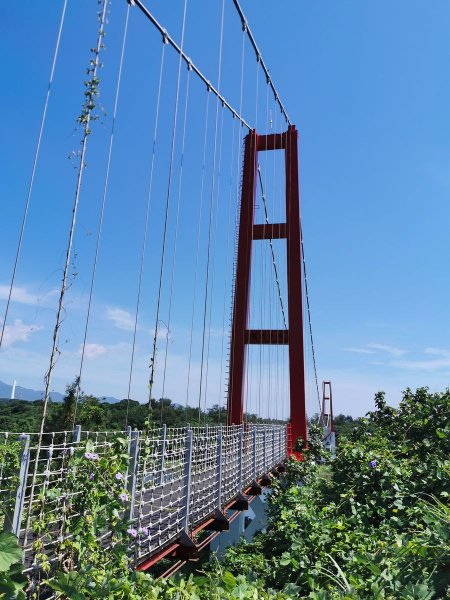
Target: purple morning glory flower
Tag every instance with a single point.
(373, 464)
(132, 532)
(91, 455)
(91, 476)
(123, 497)
(119, 476)
(143, 531)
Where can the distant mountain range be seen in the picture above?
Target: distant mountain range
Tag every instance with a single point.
(22, 393)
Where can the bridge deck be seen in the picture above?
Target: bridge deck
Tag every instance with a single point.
(177, 480)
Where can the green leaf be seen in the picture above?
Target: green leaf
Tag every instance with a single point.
(10, 551)
(229, 580)
(68, 584)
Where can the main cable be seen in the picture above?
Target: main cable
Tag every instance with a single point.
(189, 63)
(259, 58)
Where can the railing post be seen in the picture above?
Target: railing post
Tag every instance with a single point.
(187, 480)
(76, 434)
(264, 449)
(240, 457)
(281, 446)
(13, 517)
(76, 438)
(160, 479)
(255, 440)
(274, 461)
(219, 469)
(132, 470)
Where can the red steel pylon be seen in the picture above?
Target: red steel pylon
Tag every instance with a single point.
(327, 408)
(249, 231)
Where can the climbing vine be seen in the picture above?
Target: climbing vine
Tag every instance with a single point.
(10, 449)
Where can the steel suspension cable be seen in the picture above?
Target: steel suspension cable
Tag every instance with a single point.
(146, 222)
(313, 353)
(197, 256)
(230, 196)
(275, 268)
(239, 182)
(172, 277)
(82, 164)
(259, 58)
(213, 261)
(202, 187)
(189, 63)
(87, 115)
(166, 216)
(211, 211)
(33, 171)
(102, 209)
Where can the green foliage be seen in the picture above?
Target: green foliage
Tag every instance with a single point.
(9, 468)
(373, 524)
(95, 504)
(95, 414)
(12, 581)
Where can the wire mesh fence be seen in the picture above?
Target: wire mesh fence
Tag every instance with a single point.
(163, 482)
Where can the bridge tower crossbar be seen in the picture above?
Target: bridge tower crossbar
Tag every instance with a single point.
(248, 232)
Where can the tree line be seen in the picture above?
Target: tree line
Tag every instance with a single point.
(96, 414)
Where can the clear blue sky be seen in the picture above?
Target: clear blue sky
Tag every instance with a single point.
(367, 85)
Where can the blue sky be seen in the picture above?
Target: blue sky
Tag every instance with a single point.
(367, 86)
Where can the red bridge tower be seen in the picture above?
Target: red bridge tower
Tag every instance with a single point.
(249, 231)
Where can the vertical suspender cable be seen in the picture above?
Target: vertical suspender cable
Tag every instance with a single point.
(166, 217)
(213, 264)
(33, 172)
(309, 322)
(230, 195)
(174, 255)
(194, 298)
(260, 59)
(87, 114)
(211, 208)
(86, 132)
(102, 209)
(144, 239)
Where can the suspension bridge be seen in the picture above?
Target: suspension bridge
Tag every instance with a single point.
(184, 213)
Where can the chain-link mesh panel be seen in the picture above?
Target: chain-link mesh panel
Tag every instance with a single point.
(160, 506)
(205, 473)
(175, 480)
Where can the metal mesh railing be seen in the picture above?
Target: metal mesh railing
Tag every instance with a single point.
(172, 479)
